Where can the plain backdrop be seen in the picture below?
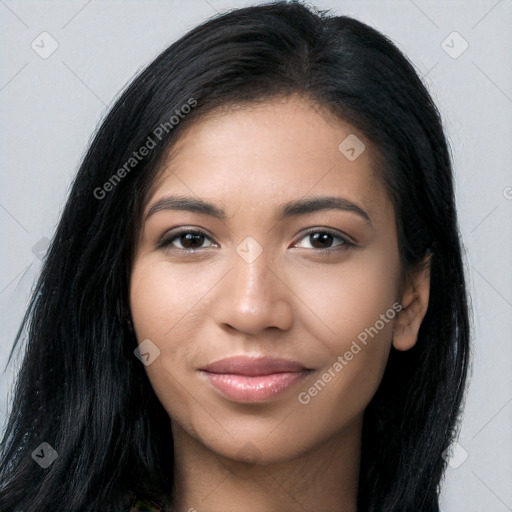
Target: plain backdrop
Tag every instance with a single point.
(50, 105)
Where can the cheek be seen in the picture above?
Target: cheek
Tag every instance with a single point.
(160, 297)
(349, 298)
(159, 301)
(168, 306)
(354, 304)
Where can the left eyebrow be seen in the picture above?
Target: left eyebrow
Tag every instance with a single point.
(290, 209)
(315, 204)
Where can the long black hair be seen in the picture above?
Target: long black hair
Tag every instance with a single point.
(81, 389)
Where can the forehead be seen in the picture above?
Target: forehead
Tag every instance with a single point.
(271, 152)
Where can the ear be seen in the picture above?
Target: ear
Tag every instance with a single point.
(415, 294)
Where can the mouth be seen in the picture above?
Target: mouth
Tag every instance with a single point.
(249, 379)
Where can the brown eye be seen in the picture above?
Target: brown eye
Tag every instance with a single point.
(191, 240)
(321, 240)
(186, 240)
(325, 240)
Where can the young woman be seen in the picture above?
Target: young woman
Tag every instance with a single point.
(255, 297)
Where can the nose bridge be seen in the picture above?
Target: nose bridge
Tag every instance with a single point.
(251, 276)
(252, 296)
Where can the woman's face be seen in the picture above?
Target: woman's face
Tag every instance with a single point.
(282, 246)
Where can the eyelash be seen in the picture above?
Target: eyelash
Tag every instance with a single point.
(166, 242)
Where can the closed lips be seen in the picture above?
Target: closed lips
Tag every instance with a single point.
(245, 379)
(243, 365)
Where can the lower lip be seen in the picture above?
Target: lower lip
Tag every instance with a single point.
(242, 388)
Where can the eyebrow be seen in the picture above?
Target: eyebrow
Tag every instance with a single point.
(290, 209)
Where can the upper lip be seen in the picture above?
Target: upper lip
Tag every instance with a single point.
(253, 366)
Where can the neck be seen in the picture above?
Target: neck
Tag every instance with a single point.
(323, 478)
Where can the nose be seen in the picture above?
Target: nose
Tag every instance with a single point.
(253, 297)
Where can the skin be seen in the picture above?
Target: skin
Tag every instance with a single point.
(293, 301)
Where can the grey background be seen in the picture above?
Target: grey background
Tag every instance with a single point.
(50, 107)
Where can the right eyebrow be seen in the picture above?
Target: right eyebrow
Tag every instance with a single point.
(188, 203)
